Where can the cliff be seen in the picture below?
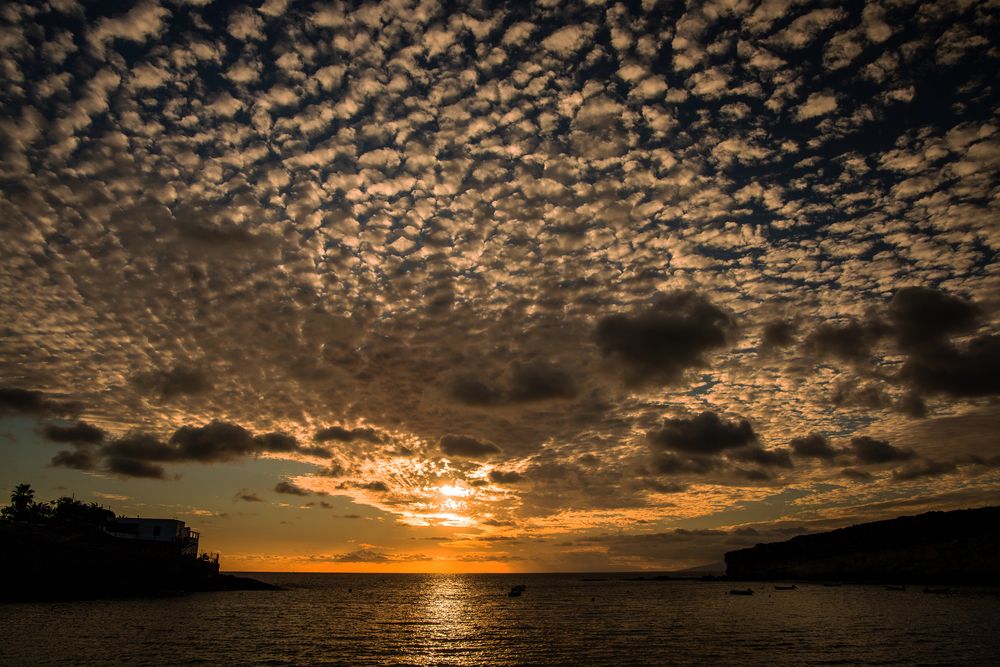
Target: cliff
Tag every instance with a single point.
(958, 547)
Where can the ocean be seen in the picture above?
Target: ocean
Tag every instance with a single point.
(560, 619)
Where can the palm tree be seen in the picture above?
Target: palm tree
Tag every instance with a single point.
(23, 506)
(21, 500)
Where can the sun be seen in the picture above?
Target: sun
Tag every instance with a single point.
(454, 491)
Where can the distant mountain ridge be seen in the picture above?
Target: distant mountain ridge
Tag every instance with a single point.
(959, 547)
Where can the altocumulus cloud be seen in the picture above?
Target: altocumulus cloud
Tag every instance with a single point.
(623, 253)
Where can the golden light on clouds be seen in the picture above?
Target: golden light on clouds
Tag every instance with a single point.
(577, 279)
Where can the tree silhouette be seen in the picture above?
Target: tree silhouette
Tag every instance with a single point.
(20, 503)
(72, 512)
(23, 506)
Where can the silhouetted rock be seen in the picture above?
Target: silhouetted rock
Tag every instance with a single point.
(231, 582)
(657, 577)
(957, 547)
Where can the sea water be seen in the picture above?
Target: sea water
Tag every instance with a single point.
(565, 619)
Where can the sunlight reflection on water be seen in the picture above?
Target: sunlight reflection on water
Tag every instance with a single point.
(469, 619)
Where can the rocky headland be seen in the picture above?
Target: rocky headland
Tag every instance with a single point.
(956, 547)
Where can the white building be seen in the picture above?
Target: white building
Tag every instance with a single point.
(156, 530)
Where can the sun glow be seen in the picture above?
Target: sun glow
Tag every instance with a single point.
(454, 491)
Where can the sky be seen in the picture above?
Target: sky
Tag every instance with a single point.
(470, 286)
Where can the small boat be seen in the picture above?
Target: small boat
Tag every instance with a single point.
(895, 588)
(937, 591)
(741, 591)
(778, 587)
(515, 591)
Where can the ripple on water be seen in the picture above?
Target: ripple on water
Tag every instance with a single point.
(469, 619)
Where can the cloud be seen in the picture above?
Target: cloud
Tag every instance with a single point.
(139, 454)
(376, 486)
(851, 394)
(14, 400)
(659, 344)
(134, 468)
(807, 27)
(869, 451)
(138, 445)
(921, 315)
(843, 49)
(273, 7)
(924, 469)
(505, 476)
(538, 382)
(216, 441)
(362, 556)
(767, 458)
(466, 447)
(247, 495)
(813, 446)
(245, 25)
(855, 475)
(181, 380)
(337, 233)
(79, 433)
(923, 321)
(968, 371)
(778, 334)
(567, 40)
(148, 77)
(705, 433)
(341, 434)
(290, 488)
(78, 459)
(472, 391)
(518, 33)
(522, 383)
(671, 464)
(847, 341)
(144, 20)
(818, 104)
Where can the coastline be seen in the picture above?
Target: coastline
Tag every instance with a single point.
(39, 564)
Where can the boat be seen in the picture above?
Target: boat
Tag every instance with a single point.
(937, 591)
(741, 591)
(515, 591)
(778, 587)
(833, 584)
(895, 588)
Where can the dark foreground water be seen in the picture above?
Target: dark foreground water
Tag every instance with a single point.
(470, 620)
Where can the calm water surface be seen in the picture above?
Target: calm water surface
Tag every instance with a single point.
(469, 620)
